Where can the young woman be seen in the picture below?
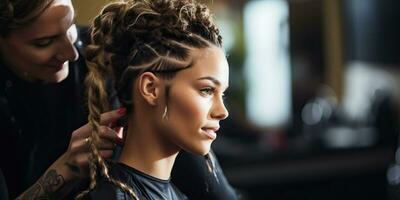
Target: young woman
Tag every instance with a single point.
(42, 106)
(167, 64)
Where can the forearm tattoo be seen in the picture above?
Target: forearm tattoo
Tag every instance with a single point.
(46, 188)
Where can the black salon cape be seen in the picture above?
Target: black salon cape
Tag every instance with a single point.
(144, 186)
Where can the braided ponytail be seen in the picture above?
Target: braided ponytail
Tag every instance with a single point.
(99, 70)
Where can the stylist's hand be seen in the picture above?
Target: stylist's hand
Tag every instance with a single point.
(68, 171)
(77, 155)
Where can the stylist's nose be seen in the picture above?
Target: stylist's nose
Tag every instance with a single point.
(67, 51)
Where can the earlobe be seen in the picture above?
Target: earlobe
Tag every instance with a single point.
(149, 87)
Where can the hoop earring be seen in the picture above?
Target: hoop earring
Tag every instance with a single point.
(165, 114)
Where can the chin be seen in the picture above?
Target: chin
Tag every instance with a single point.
(59, 75)
(201, 149)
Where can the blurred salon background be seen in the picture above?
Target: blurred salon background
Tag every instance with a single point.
(314, 97)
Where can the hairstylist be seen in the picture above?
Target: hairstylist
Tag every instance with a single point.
(41, 101)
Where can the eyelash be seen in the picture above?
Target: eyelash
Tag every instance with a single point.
(209, 91)
(46, 43)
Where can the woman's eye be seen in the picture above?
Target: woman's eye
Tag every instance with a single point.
(43, 43)
(207, 91)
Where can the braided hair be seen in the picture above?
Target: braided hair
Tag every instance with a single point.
(131, 37)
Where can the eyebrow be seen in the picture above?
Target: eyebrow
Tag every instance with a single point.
(214, 80)
(45, 38)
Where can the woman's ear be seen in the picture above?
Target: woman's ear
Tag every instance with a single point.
(149, 87)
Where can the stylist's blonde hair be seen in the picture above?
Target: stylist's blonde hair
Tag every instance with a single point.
(18, 13)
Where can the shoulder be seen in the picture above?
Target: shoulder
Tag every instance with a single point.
(107, 190)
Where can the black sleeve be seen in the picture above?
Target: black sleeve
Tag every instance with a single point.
(3, 187)
(192, 177)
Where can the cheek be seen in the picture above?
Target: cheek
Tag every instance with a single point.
(28, 54)
(190, 110)
(189, 114)
(38, 57)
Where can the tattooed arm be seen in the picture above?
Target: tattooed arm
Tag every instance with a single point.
(57, 182)
(72, 167)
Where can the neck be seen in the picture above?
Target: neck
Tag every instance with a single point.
(147, 150)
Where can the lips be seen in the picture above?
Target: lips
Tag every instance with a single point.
(57, 66)
(60, 66)
(210, 132)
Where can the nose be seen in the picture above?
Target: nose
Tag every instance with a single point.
(67, 51)
(219, 110)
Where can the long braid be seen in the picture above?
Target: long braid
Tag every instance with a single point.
(96, 94)
(131, 37)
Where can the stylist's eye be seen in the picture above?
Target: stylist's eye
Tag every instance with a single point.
(207, 91)
(43, 42)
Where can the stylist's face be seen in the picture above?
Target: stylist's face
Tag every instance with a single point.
(42, 50)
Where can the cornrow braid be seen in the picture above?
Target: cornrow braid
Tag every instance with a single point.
(135, 36)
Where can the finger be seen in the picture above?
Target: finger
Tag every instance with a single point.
(79, 146)
(102, 144)
(108, 133)
(105, 154)
(119, 131)
(82, 132)
(81, 150)
(105, 145)
(107, 140)
(83, 145)
(106, 118)
(112, 116)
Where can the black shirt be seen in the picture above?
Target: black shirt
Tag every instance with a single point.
(146, 187)
(36, 122)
